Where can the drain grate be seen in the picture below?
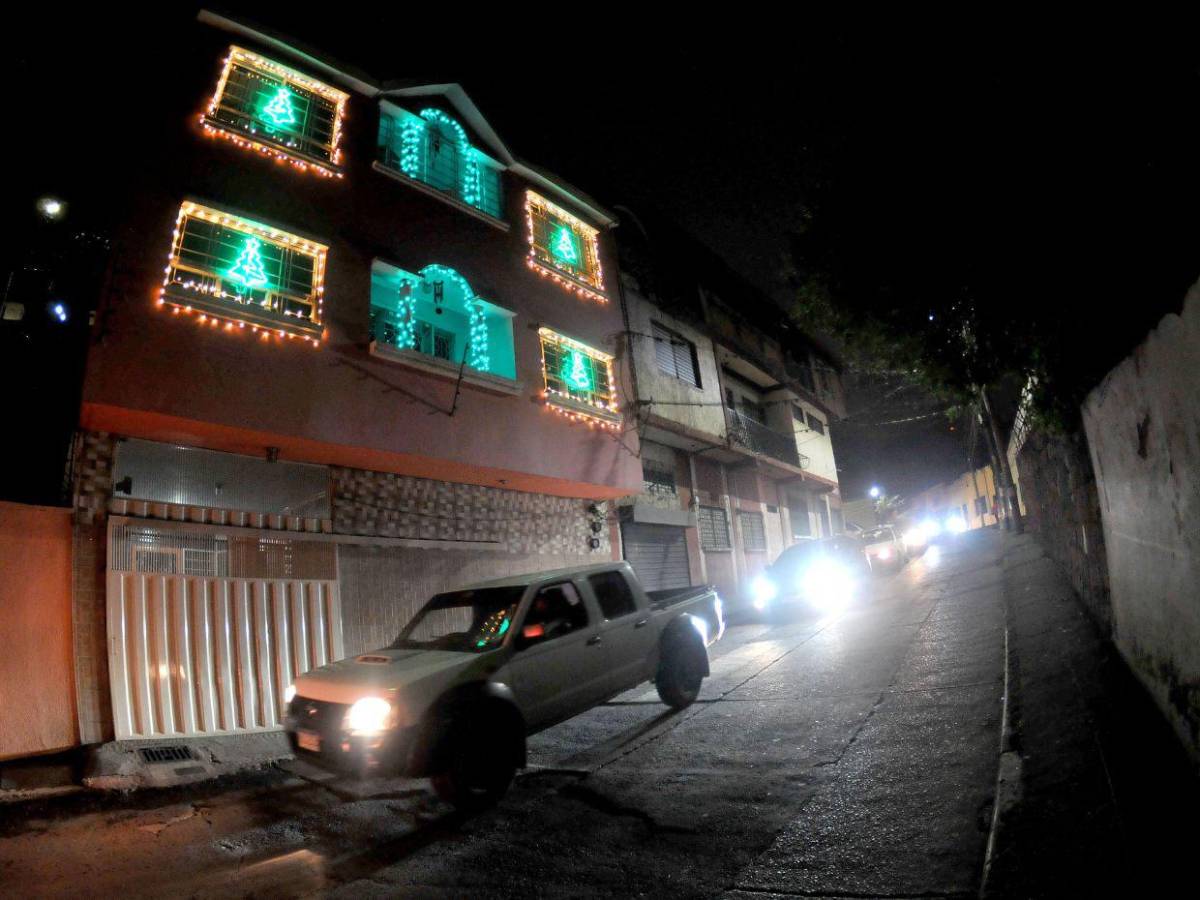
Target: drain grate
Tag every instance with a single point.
(178, 753)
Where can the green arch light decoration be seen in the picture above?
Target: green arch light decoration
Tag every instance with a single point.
(412, 136)
(477, 337)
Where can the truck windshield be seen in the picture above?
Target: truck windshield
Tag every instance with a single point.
(465, 621)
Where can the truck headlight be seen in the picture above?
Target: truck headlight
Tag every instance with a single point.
(764, 590)
(369, 715)
(884, 553)
(914, 537)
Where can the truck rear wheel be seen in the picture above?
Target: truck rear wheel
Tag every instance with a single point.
(680, 672)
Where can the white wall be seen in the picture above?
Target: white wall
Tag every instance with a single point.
(1143, 429)
(817, 447)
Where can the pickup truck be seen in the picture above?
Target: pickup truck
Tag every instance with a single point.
(478, 669)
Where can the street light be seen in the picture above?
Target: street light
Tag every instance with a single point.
(874, 492)
(51, 207)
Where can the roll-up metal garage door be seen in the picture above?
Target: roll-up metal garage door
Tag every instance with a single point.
(658, 553)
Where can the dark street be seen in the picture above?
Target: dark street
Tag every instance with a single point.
(850, 756)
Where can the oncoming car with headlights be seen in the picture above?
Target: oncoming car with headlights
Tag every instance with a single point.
(885, 548)
(822, 575)
(477, 669)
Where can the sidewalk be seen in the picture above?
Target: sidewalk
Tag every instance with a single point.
(1105, 802)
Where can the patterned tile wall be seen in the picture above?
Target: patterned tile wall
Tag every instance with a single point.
(399, 506)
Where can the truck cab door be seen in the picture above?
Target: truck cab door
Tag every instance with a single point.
(559, 667)
(627, 631)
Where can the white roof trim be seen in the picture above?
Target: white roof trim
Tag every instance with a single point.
(226, 24)
(465, 107)
(452, 92)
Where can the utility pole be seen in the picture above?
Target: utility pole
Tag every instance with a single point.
(1012, 514)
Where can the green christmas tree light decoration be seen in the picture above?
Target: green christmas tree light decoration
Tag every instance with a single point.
(280, 111)
(564, 246)
(249, 268)
(575, 371)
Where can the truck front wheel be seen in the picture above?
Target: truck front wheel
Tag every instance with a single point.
(680, 672)
(478, 766)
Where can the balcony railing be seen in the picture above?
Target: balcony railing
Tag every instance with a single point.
(759, 438)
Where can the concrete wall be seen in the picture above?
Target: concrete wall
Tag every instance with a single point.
(37, 683)
(1063, 511)
(1143, 430)
(695, 408)
(816, 446)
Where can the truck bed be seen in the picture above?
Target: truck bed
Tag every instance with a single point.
(672, 596)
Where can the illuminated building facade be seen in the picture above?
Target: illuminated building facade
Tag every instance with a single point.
(360, 353)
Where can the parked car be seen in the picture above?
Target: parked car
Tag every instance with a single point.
(822, 574)
(885, 548)
(479, 669)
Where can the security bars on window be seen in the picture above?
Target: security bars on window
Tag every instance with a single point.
(433, 148)
(563, 247)
(754, 535)
(579, 380)
(714, 528)
(232, 272)
(264, 106)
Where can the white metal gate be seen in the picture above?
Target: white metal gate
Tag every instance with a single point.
(208, 626)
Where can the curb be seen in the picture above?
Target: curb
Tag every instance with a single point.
(1008, 769)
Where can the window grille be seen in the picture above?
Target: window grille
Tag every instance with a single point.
(754, 534)
(254, 274)
(269, 106)
(714, 528)
(163, 551)
(578, 378)
(563, 243)
(435, 312)
(658, 478)
(816, 424)
(433, 148)
(798, 513)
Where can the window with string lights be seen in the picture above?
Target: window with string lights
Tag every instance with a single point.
(435, 317)
(563, 247)
(272, 109)
(433, 150)
(579, 380)
(228, 271)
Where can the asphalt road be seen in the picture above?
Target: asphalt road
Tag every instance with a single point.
(851, 755)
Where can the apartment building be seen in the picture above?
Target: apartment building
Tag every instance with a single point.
(733, 407)
(355, 351)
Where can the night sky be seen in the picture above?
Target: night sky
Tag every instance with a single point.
(1053, 165)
